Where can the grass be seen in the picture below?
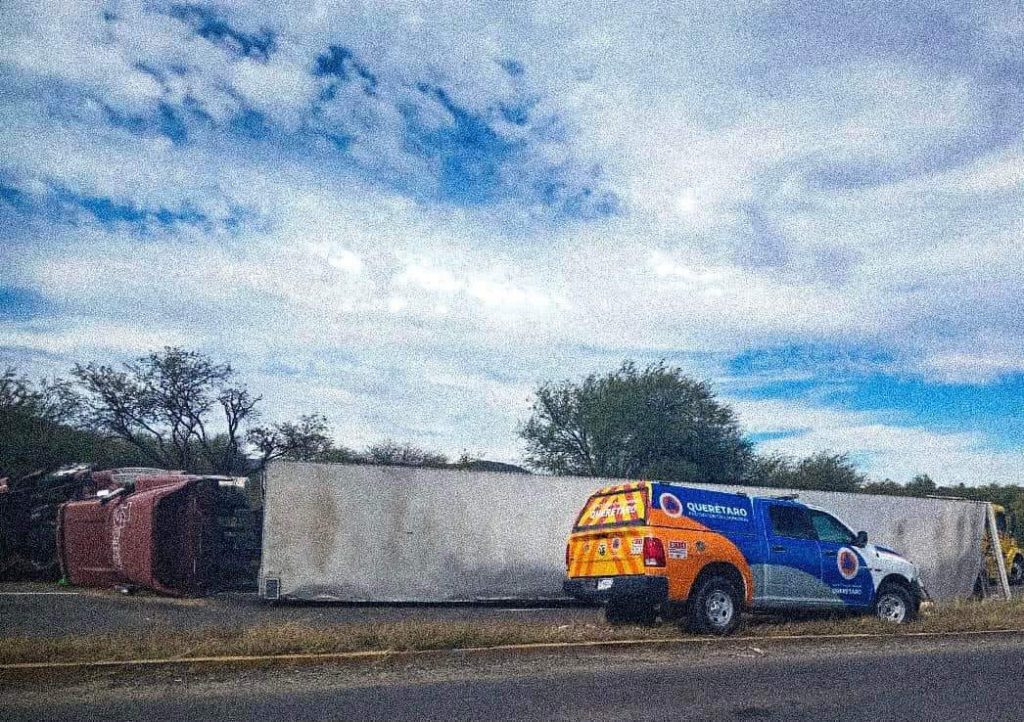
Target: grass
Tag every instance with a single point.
(291, 638)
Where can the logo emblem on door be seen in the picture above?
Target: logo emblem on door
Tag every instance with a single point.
(671, 505)
(848, 563)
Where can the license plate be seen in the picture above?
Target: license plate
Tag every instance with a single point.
(603, 584)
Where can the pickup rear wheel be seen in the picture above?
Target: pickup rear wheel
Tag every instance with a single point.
(895, 604)
(619, 612)
(714, 607)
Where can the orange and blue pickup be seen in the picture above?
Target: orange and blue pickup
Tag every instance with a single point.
(649, 549)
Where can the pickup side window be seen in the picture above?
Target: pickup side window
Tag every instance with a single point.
(831, 529)
(790, 521)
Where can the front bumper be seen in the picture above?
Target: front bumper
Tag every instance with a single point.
(640, 588)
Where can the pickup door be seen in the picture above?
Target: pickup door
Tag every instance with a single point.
(843, 567)
(793, 577)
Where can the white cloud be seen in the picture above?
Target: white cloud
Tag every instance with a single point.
(725, 241)
(341, 259)
(281, 88)
(78, 337)
(972, 367)
(430, 278)
(882, 450)
(1000, 173)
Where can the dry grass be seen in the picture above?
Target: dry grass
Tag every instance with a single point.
(292, 638)
(963, 616)
(425, 635)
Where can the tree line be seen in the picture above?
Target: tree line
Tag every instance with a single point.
(180, 409)
(170, 409)
(657, 423)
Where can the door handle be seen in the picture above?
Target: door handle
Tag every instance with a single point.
(778, 549)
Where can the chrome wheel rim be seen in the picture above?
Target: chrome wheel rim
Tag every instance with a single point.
(892, 608)
(719, 608)
(1016, 571)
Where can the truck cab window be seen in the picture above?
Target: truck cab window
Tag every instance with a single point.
(790, 521)
(831, 529)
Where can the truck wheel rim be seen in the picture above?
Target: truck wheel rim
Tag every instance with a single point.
(719, 608)
(891, 608)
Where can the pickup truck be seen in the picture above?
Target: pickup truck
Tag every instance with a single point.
(646, 549)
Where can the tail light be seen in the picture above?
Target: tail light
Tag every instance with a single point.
(654, 552)
(567, 556)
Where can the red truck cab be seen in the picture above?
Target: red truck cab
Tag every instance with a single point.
(158, 531)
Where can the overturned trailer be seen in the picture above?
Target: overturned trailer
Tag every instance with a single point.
(391, 534)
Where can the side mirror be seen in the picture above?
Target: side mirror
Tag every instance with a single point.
(861, 539)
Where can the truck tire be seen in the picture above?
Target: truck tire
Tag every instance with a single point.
(619, 612)
(1016, 571)
(895, 604)
(714, 607)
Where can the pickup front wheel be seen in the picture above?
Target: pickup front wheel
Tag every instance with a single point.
(715, 607)
(895, 604)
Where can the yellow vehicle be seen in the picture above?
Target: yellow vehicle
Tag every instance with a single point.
(1012, 555)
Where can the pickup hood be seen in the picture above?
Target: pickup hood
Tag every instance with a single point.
(883, 561)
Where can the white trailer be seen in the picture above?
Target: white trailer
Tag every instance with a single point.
(390, 534)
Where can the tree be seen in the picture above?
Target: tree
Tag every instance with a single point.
(304, 440)
(470, 462)
(53, 400)
(636, 423)
(392, 453)
(16, 392)
(921, 485)
(827, 471)
(164, 404)
(823, 471)
(885, 487)
(181, 410)
(773, 470)
(40, 429)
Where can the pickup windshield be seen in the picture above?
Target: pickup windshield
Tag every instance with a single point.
(830, 529)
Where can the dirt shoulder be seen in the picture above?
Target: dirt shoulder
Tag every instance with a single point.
(373, 643)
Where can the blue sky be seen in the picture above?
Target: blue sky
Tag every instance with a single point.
(405, 215)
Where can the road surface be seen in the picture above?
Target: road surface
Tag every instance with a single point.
(48, 610)
(964, 678)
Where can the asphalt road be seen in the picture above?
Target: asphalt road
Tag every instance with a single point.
(901, 680)
(47, 610)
